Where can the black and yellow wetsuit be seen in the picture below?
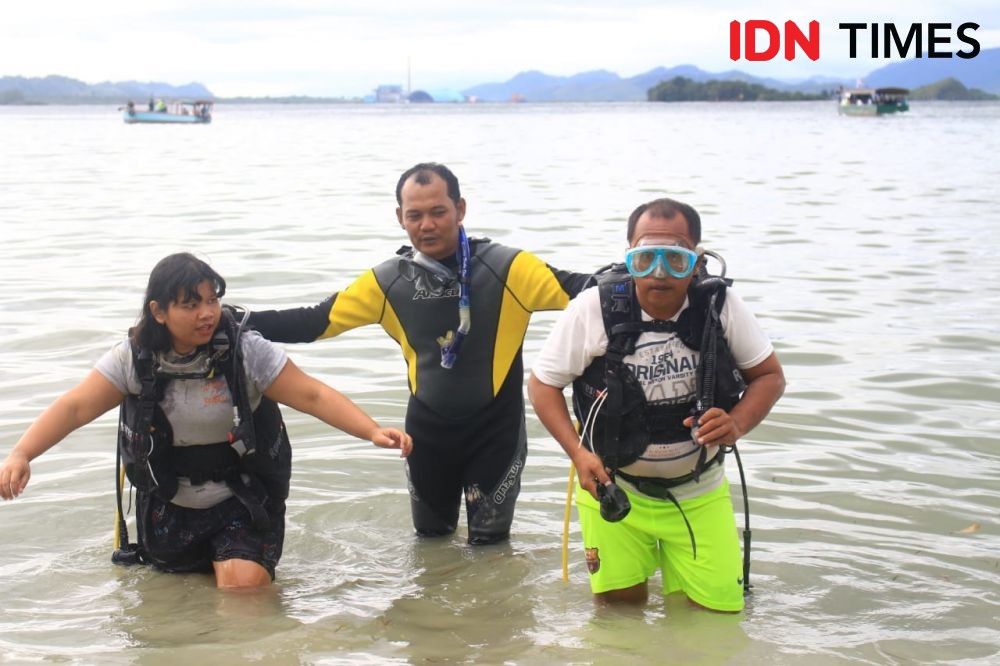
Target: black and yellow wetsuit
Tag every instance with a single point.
(467, 422)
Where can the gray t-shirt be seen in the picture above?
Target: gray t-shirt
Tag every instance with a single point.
(200, 411)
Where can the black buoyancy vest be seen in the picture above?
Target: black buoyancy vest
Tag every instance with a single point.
(625, 424)
(258, 442)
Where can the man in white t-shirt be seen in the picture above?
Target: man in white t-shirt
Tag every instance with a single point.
(650, 420)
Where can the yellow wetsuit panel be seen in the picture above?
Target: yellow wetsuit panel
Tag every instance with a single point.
(530, 286)
(363, 302)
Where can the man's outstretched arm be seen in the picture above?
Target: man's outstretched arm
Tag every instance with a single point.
(294, 324)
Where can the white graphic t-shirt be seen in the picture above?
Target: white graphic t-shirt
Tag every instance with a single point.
(663, 365)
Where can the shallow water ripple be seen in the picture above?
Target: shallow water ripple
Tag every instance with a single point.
(873, 485)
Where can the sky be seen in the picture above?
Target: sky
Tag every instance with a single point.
(348, 47)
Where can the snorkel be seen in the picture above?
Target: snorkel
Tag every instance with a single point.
(451, 342)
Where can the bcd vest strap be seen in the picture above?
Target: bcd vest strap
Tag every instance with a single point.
(243, 436)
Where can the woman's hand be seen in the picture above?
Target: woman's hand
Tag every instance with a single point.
(392, 438)
(14, 474)
(77, 407)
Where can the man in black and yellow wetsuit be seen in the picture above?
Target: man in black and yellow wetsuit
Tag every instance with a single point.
(459, 309)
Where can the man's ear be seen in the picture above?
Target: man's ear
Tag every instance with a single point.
(399, 216)
(460, 207)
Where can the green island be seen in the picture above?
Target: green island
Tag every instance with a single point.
(951, 90)
(683, 89)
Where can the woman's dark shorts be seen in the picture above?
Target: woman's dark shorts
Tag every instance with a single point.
(177, 539)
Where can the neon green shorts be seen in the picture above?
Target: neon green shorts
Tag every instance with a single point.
(653, 536)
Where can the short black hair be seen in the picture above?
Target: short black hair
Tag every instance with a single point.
(665, 209)
(423, 173)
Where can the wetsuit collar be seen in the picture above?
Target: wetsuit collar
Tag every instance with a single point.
(434, 267)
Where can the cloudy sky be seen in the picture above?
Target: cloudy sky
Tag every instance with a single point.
(347, 47)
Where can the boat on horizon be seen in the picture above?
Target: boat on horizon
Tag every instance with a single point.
(873, 101)
(193, 112)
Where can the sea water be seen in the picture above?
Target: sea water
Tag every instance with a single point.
(868, 248)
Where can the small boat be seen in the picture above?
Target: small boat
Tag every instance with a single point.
(873, 101)
(196, 112)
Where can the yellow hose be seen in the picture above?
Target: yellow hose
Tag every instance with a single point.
(569, 506)
(121, 484)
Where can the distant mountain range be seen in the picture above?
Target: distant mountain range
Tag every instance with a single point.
(602, 85)
(64, 90)
(982, 72)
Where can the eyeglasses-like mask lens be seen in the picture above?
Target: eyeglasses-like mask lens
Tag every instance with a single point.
(674, 259)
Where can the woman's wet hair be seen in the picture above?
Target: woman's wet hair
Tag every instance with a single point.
(174, 279)
(666, 209)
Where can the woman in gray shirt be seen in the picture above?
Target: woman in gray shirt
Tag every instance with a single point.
(201, 523)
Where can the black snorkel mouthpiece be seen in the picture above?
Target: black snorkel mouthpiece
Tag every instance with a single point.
(614, 502)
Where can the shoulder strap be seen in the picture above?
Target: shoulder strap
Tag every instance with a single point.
(622, 324)
(241, 437)
(619, 310)
(150, 386)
